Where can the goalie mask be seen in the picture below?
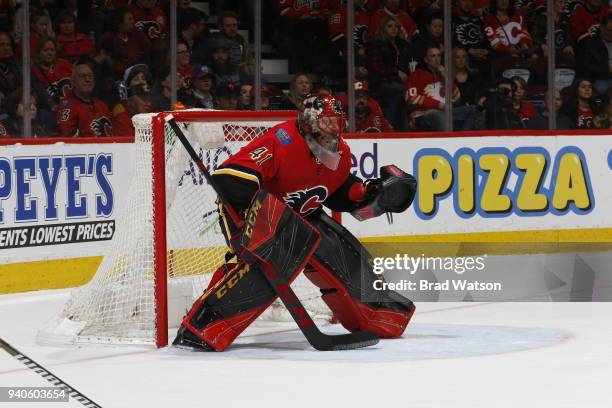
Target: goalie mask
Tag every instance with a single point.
(321, 122)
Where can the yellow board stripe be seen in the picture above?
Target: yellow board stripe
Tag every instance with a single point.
(237, 173)
(569, 235)
(64, 273)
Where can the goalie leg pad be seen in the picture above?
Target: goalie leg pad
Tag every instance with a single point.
(341, 268)
(273, 237)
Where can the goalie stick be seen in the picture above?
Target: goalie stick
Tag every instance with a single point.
(47, 375)
(317, 339)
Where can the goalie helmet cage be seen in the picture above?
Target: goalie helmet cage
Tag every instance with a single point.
(167, 242)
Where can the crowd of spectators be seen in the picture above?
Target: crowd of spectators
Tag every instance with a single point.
(94, 67)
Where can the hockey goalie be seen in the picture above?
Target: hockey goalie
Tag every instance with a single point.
(301, 164)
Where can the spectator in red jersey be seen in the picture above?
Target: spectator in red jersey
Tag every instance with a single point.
(337, 35)
(581, 106)
(13, 111)
(586, 17)
(595, 57)
(303, 31)
(467, 30)
(130, 45)
(52, 72)
(149, 19)
(238, 47)
(540, 122)
(425, 92)
(392, 8)
(507, 33)
(388, 65)
(432, 35)
(299, 88)
(183, 62)
(82, 114)
(138, 101)
(72, 45)
(521, 108)
(40, 28)
(369, 117)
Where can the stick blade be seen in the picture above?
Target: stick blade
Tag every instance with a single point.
(349, 341)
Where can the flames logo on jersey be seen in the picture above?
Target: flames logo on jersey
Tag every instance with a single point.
(306, 201)
(59, 89)
(101, 126)
(469, 34)
(150, 28)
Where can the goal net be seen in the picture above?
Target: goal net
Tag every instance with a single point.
(168, 241)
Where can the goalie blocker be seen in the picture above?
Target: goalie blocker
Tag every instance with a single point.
(330, 257)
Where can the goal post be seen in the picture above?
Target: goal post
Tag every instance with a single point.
(168, 242)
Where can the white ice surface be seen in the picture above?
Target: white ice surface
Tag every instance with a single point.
(452, 355)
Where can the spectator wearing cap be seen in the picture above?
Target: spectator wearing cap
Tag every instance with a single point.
(202, 83)
(72, 45)
(138, 101)
(238, 47)
(226, 96)
(130, 46)
(225, 72)
(82, 114)
(138, 74)
(369, 117)
(595, 57)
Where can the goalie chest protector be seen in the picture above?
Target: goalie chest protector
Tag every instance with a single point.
(280, 161)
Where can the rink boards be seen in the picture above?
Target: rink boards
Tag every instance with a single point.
(59, 202)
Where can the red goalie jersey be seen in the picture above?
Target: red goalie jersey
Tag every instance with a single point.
(305, 183)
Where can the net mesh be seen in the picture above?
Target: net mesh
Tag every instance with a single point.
(118, 304)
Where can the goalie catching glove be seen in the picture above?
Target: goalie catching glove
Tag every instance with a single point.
(393, 192)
